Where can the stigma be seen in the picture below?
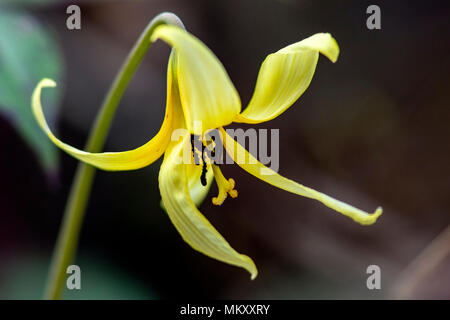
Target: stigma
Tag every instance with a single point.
(226, 187)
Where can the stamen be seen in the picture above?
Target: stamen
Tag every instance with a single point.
(226, 187)
(203, 176)
(201, 156)
(212, 146)
(207, 161)
(197, 154)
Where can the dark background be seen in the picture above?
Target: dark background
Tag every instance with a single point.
(372, 129)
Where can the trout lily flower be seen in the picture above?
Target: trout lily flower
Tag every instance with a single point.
(200, 91)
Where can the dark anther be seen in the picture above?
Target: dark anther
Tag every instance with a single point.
(204, 156)
(196, 159)
(203, 176)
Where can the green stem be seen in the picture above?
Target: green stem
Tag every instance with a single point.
(68, 236)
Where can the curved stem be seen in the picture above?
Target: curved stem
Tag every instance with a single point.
(68, 236)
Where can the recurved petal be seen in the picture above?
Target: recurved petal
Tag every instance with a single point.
(207, 94)
(193, 227)
(285, 75)
(114, 161)
(254, 167)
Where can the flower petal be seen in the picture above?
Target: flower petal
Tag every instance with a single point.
(115, 161)
(254, 167)
(197, 191)
(207, 94)
(193, 227)
(285, 75)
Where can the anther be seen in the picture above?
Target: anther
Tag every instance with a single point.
(195, 151)
(201, 155)
(203, 176)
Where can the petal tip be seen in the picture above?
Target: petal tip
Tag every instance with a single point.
(372, 218)
(378, 212)
(333, 53)
(253, 270)
(250, 266)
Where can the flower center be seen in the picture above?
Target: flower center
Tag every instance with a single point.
(203, 153)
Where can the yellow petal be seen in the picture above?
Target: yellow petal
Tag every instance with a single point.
(193, 227)
(254, 167)
(285, 75)
(197, 191)
(115, 161)
(208, 96)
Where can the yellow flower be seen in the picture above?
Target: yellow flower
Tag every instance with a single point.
(199, 91)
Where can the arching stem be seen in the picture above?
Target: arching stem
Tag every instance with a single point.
(67, 242)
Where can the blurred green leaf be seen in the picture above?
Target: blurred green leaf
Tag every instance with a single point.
(28, 53)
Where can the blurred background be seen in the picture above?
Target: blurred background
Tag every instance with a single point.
(372, 129)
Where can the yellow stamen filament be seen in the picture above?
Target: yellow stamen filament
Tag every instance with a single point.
(226, 187)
